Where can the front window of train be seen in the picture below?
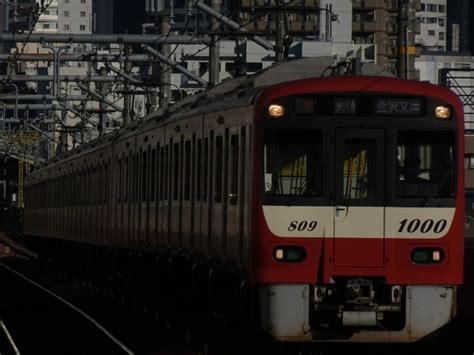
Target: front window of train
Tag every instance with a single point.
(293, 163)
(426, 164)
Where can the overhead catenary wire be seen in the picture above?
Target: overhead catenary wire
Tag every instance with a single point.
(16, 54)
(279, 7)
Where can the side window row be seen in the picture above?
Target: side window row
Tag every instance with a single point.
(84, 187)
(182, 169)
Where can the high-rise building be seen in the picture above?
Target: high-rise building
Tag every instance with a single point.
(103, 22)
(75, 16)
(460, 27)
(313, 28)
(433, 25)
(375, 31)
(128, 16)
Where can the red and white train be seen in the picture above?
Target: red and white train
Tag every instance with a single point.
(337, 201)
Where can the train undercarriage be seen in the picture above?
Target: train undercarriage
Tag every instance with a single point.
(356, 310)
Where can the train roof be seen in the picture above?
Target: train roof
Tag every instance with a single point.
(297, 69)
(237, 91)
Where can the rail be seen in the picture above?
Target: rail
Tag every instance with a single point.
(9, 337)
(70, 305)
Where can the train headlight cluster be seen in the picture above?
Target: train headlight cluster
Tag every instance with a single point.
(427, 255)
(442, 112)
(276, 111)
(290, 253)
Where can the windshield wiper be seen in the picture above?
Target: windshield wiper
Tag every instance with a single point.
(292, 198)
(440, 183)
(299, 189)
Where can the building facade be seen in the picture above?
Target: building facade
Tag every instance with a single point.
(433, 25)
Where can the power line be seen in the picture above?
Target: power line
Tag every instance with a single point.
(279, 7)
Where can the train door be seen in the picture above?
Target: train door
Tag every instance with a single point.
(176, 139)
(359, 198)
(153, 184)
(160, 213)
(143, 189)
(207, 186)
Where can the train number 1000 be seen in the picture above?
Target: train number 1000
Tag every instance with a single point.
(415, 225)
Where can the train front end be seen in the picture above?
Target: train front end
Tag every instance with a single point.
(358, 209)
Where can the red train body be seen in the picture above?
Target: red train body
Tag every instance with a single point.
(307, 187)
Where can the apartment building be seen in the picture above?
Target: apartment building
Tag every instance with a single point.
(433, 25)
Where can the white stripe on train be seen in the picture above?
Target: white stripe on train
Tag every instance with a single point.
(358, 222)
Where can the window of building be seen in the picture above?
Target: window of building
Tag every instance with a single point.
(431, 33)
(442, 8)
(203, 67)
(431, 20)
(432, 8)
(441, 36)
(46, 25)
(66, 13)
(441, 22)
(82, 27)
(66, 27)
(83, 14)
(370, 16)
(461, 66)
(83, 1)
(469, 161)
(254, 67)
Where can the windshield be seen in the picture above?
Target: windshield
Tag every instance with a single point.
(425, 164)
(293, 163)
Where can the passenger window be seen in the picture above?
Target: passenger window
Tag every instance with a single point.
(359, 168)
(152, 175)
(218, 170)
(234, 169)
(126, 180)
(135, 178)
(425, 164)
(175, 182)
(205, 179)
(198, 170)
(187, 170)
(293, 163)
(119, 180)
(144, 175)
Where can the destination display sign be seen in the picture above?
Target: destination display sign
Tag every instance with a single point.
(398, 106)
(345, 106)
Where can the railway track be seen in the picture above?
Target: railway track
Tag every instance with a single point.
(110, 310)
(41, 321)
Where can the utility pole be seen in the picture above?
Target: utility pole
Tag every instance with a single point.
(406, 39)
(214, 60)
(165, 76)
(126, 89)
(279, 34)
(102, 88)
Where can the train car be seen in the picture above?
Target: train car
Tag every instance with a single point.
(334, 204)
(8, 182)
